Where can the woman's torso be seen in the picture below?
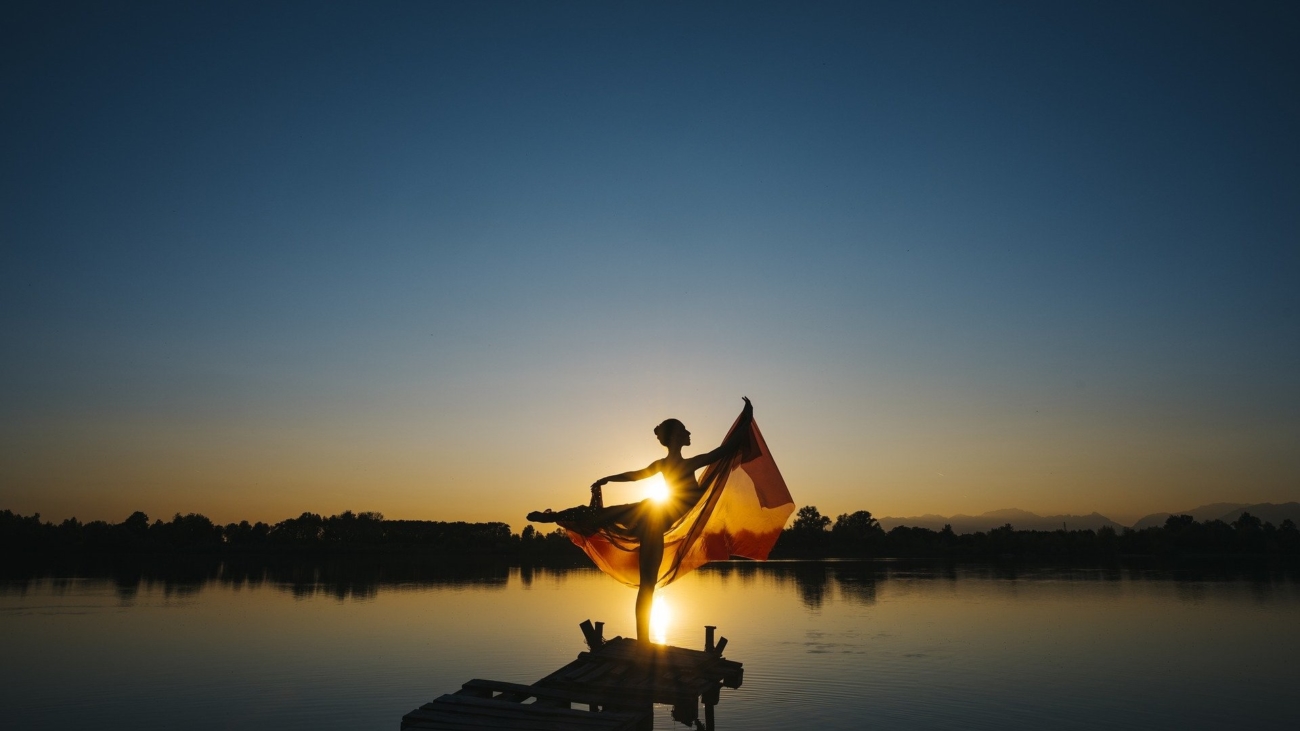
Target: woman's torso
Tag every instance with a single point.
(683, 489)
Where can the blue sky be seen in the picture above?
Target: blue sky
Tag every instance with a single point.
(455, 260)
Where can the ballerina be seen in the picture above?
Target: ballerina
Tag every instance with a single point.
(699, 520)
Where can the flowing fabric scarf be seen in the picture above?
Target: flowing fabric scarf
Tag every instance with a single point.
(743, 509)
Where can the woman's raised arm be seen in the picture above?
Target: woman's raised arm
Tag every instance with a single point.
(654, 468)
(729, 446)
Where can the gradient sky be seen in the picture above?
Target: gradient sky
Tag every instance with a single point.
(455, 261)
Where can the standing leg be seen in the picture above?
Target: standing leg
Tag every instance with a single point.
(652, 553)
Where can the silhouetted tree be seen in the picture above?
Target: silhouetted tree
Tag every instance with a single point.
(810, 520)
(137, 523)
(806, 537)
(852, 534)
(856, 534)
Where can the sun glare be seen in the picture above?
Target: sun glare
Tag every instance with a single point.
(661, 615)
(656, 489)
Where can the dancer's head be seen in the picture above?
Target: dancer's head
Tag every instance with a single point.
(672, 431)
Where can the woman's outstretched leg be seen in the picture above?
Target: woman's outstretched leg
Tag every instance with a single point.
(652, 553)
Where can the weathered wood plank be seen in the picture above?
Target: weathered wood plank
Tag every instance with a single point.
(469, 712)
(594, 671)
(509, 708)
(456, 705)
(466, 723)
(536, 691)
(619, 696)
(446, 707)
(622, 647)
(535, 721)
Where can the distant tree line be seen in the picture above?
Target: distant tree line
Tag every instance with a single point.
(347, 532)
(858, 535)
(811, 535)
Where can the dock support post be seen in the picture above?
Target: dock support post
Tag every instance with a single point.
(593, 633)
(708, 637)
(686, 710)
(710, 700)
(718, 648)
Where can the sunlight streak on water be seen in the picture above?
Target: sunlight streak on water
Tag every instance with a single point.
(661, 617)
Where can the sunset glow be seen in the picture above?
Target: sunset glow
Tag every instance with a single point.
(365, 297)
(656, 489)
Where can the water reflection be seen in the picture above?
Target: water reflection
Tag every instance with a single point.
(341, 578)
(856, 580)
(661, 617)
(363, 577)
(814, 581)
(354, 643)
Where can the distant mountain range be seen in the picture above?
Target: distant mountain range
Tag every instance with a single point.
(1019, 519)
(1025, 520)
(1228, 512)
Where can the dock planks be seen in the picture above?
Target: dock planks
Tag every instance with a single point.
(661, 673)
(614, 684)
(455, 712)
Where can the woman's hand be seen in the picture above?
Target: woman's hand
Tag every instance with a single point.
(599, 483)
(738, 437)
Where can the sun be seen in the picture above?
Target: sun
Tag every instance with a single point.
(656, 489)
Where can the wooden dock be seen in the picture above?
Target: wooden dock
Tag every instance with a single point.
(615, 682)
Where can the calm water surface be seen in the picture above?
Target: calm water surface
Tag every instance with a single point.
(825, 645)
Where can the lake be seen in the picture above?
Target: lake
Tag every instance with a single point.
(826, 645)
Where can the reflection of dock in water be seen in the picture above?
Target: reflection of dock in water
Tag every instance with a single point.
(616, 681)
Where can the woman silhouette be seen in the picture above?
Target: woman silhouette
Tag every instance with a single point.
(649, 519)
